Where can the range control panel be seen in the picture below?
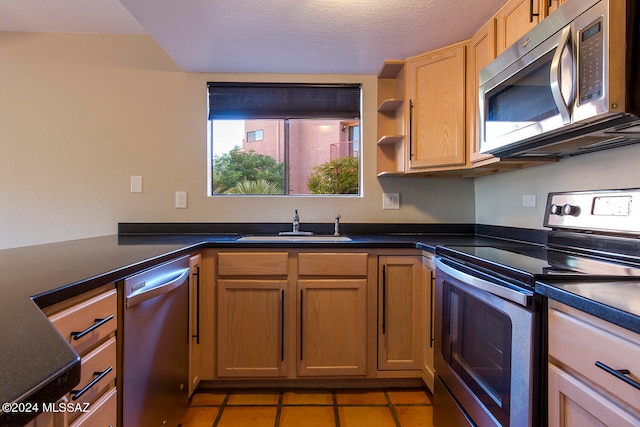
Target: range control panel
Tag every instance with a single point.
(606, 211)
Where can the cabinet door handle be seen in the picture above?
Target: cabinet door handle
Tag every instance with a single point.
(384, 299)
(410, 129)
(431, 326)
(282, 326)
(97, 323)
(196, 274)
(531, 14)
(301, 323)
(100, 375)
(621, 374)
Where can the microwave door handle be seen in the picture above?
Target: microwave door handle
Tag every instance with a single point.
(555, 76)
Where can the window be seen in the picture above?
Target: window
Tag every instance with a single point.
(284, 139)
(255, 135)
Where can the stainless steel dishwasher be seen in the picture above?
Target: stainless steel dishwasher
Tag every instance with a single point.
(155, 346)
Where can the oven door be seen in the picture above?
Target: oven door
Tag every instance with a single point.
(484, 348)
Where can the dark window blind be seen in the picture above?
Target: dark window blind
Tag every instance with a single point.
(283, 101)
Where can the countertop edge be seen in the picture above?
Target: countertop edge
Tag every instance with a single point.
(605, 312)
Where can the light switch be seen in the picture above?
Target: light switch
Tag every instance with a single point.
(181, 199)
(390, 200)
(136, 184)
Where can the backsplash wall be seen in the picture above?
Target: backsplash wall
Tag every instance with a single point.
(499, 197)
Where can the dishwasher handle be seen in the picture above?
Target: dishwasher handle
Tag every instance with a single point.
(138, 297)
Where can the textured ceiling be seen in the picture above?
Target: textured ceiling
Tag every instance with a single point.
(267, 36)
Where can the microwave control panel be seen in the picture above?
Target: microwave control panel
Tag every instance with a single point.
(590, 61)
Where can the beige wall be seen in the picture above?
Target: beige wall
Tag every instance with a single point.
(80, 114)
(499, 197)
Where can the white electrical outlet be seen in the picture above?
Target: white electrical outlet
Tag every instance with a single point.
(181, 199)
(136, 184)
(390, 200)
(529, 200)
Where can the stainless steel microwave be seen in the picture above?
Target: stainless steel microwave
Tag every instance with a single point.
(569, 86)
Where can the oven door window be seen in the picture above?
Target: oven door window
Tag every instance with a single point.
(477, 345)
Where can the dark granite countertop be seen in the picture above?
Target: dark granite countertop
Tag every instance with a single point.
(617, 302)
(37, 365)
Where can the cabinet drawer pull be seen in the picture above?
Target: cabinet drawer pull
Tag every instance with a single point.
(621, 374)
(98, 322)
(100, 375)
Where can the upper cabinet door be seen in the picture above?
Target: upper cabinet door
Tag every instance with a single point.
(515, 19)
(481, 51)
(435, 105)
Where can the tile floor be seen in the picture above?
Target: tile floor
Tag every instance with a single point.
(303, 408)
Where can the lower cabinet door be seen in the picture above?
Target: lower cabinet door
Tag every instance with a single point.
(574, 403)
(400, 330)
(332, 327)
(251, 327)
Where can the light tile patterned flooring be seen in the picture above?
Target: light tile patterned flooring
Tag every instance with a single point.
(317, 408)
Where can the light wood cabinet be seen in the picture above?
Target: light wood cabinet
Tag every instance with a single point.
(428, 336)
(400, 310)
(332, 313)
(391, 109)
(88, 322)
(581, 392)
(332, 327)
(552, 5)
(291, 314)
(208, 315)
(435, 109)
(515, 19)
(480, 52)
(195, 262)
(251, 327)
(252, 288)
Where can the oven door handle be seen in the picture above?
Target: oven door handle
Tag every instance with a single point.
(509, 294)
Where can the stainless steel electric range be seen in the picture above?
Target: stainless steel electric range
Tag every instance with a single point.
(489, 336)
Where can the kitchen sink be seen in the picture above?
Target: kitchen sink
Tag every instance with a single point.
(295, 239)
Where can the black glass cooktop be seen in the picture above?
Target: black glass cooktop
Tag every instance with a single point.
(528, 263)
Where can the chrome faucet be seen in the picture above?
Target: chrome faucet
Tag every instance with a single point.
(296, 221)
(336, 226)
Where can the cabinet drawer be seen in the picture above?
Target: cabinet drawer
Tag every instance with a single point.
(87, 323)
(100, 363)
(103, 413)
(579, 344)
(332, 264)
(252, 263)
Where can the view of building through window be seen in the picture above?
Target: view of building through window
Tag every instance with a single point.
(285, 156)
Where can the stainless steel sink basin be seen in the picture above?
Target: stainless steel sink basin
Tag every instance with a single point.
(296, 239)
